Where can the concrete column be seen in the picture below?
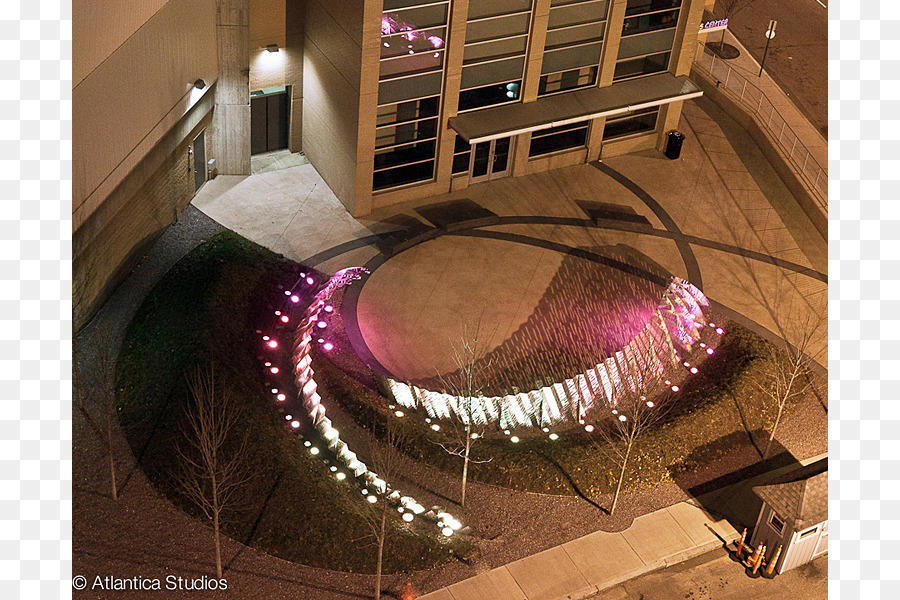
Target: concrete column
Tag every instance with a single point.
(231, 116)
(453, 57)
(611, 41)
(538, 39)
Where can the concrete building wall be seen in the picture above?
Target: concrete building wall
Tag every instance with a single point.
(135, 112)
(332, 69)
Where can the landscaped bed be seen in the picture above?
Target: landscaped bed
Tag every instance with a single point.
(206, 311)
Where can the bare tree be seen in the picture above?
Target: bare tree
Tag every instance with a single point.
(386, 460)
(465, 383)
(728, 9)
(618, 427)
(213, 464)
(787, 374)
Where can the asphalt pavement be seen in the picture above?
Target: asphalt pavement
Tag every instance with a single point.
(798, 54)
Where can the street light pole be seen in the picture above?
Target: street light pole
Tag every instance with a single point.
(770, 33)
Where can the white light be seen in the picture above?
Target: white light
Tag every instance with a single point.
(514, 439)
(447, 531)
(398, 413)
(675, 388)
(506, 431)
(341, 476)
(295, 424)
(307, 443)
(554, 437)
(313, 450)
(589, 428)
(408, 517)
(622, 418)
(474, 436)
(694, 370)
(281, 396)
(372, 499)
(333, 468)
(650, 404)
(546, 429)
(436, 427)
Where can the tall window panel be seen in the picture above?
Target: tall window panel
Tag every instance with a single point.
(494, 58)
(574, 42)
(648, 33)
(413, 41)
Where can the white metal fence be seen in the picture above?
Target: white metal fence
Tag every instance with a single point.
(765, 113)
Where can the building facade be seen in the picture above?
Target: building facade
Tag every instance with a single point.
(390, 100)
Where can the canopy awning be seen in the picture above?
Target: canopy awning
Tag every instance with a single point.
(573, 107)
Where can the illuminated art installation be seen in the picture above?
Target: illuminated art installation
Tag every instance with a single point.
(309, 325)
(675, 325)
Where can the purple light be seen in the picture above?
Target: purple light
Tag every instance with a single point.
(386, 45)
(320, 340)
(287, 292)
(411, 52)
(274, 370)
(321, 324)
(436, 54)
(694, 370)
(310, 280)
(273, 344)
(719, 330)
(328, 346)
(709, 350)
(435, 41)
(295, 299)
(328, 308)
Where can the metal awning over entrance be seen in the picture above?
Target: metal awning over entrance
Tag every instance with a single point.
(573, 107)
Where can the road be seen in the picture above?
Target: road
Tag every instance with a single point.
(798, 55)
(714, 576)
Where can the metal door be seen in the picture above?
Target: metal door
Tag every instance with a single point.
(199, 160)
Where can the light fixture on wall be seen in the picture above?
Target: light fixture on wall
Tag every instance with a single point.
(199, 84)
(272, 47)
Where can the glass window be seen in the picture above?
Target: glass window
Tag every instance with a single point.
(481, 9)
(560, 38)
(426, 40)
(405, 133)
(567, 80)
(413, 19)
(411, 64)
(630, 123)
(636, 7)
(411, 110)
(573, 57)
(645, 65)
(501, 27)
(558, 138)
(404, 154)
(575, 14)
(489, 95)
(496, 72)
(649, 43)
(651, 22)
(389, 178)
(776, 522)
(391, 91)
(502, 48)
(461, 153)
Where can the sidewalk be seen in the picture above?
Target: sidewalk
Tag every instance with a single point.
(787, 128)
(599, 561)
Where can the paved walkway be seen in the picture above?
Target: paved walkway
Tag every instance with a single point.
(599, 561)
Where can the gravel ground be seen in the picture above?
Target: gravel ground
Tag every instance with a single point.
(142, 534)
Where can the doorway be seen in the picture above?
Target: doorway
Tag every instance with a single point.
(199, 160)
(491, 160)
(270, 117)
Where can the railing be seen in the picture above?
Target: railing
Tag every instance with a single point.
(765, 113)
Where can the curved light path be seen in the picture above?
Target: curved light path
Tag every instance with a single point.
(675, 325)
(372, 485)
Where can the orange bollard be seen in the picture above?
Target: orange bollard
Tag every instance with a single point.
(759, 560)
(741, 543)
(755, 556)
(774, 560)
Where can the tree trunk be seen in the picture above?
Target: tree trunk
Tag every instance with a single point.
(462, 501)
(621, 478)
(109, 448)
(774, 428)
(215, 498)
(380, 554)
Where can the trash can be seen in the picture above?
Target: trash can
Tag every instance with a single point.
(673, 144)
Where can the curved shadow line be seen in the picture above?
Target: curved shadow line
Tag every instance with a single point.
(687, 253)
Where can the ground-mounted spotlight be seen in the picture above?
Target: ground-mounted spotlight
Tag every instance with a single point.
(514, 439)
(295, 424)
(408, 517)
(694, 370)
(341, 476)
(328, 346)
(281, 397)
(295, 299)
(589, 428)
(436, 427)
(372, 499)
(313, 450)
(554, 437)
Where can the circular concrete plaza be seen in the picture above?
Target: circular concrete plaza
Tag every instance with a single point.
(540, 313)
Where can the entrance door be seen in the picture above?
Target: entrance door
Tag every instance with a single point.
(199, 160)
(491, 160)
(270, 114)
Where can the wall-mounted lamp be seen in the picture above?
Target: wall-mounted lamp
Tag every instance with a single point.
(199, 84)
(272, 47)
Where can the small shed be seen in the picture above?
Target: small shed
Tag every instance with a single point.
(794, 514)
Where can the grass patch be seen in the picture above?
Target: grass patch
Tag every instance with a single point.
(206, 310)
